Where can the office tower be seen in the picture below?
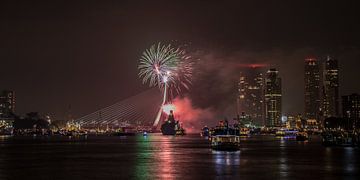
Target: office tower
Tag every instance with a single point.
(351, 108)
(330, 88)
(273, 98)
(312, 89)
(251, 94)
(7, 103)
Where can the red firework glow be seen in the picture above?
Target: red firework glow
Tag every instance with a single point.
(254, 65)
(192, 118)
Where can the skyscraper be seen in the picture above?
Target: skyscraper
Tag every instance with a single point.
(312, 89)
(251, 94)
(273, 98)
(331, 88)
(7, 103)
(351, 108)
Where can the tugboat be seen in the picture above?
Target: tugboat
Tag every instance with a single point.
(171, 126)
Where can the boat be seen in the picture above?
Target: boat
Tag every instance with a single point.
(244, 132)
(171, 126)
(225, 142)
(180, 131)
(280, 133)
(125, 132)
(225, 138)
(224, 129)
(339, 138)
(302, 136)
(205, 131)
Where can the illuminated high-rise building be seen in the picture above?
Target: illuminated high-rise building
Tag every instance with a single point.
(312, 89)
(7, 103)
(330, 88)
(351, 108)
(273, 98)
(251, 93)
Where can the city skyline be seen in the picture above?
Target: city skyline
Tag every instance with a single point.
(313, 102)
(194, 89)
(273, 98)
(83, 62)
(251, 93)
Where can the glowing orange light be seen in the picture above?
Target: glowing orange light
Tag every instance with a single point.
(254, 65)
(310, 59)
(168, 107)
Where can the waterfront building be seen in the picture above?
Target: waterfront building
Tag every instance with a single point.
(351, 108)
(312, 90)
(7, 103)
(251, 94)
(291, 122)
(330, 88)
(273, 98)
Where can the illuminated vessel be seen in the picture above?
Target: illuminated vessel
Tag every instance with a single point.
(171, 126)
(225, 142)
(225, 138)
(244, 132)
(280, 133)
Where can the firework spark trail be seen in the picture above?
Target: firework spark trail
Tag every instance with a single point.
(168, 68)
(164, 62)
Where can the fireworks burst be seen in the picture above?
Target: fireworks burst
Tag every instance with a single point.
(164, 63)
(168, 68)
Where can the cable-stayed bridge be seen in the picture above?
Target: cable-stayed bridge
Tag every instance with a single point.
(138, 110)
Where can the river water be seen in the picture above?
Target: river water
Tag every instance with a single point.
(165, 157)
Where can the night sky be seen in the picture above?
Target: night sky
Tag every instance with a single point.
(84, 54)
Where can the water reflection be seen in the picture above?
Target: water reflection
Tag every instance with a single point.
(283, 166)
(4, 137)
(348, 159)
(144, 155)
(166, 160)
(226, 158)
(163, 157)
(224, 162)
(328, 159)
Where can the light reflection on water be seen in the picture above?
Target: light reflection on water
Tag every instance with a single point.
(226, 158)
(328, 159)
(167, 157)
(167, 161)
(348, 161)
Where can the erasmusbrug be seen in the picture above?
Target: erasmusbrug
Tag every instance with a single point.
(163, 66)
(138, 110)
